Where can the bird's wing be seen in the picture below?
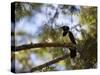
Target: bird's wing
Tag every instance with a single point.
(71, 36)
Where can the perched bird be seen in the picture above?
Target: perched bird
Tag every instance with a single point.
(73, 52)
(65, 30)
(71, 36)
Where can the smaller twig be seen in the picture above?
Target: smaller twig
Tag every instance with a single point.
(75, 26)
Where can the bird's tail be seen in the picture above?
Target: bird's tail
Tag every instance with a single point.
(73, 61)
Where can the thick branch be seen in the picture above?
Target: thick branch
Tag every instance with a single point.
(40, 45)
(49, 63)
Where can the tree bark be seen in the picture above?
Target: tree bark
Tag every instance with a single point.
(40, 45)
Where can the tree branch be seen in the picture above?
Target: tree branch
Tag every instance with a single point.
(48, 63)
(40, 45)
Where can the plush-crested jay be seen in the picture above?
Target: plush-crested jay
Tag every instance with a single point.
(71, 37)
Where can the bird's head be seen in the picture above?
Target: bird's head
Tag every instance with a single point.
(65, 28)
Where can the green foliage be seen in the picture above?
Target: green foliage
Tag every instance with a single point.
(88, 15)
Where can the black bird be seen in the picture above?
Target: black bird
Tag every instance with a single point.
(65, 30)
(71, 36)
(73, 52)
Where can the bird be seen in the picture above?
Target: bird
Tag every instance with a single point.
(73, 52)
(72, 38)
(65, 30)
